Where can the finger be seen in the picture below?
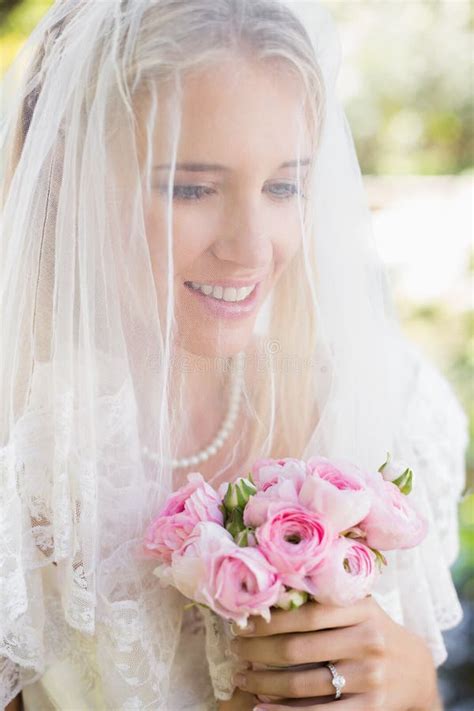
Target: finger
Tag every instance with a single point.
(240, 701)
(354, 702)
(310, 616)
(300, 684)
(301, 648)
(297, 703)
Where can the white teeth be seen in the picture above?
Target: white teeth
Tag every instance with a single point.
(228, 293)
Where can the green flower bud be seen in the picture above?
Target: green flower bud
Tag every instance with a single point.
(238, 494)
(245, 489)
(246, 538)
(231, 499)
(292, 599)
(235, 523)
(389, 471)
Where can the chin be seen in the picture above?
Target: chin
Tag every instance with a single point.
(210, 344)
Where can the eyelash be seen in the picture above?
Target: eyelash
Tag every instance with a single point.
(200, 191)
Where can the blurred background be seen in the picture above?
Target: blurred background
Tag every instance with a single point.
(407, 85)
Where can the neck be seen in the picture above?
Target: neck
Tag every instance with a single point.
(205, 396)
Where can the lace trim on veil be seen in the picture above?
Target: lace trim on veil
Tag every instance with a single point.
(416, 589)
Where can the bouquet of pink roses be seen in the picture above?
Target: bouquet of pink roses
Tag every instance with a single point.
(291, 531)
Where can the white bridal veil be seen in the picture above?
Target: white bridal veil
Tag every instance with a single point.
(87, 322)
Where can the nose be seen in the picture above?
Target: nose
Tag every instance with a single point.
(244, 238)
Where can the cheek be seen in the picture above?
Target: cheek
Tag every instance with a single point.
(287, 238)
(194, 232)
(192, 235)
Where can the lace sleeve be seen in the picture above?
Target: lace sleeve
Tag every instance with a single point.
(222, 662)
(433, 439)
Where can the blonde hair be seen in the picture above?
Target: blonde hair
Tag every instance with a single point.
(185, 36)
(177, 36)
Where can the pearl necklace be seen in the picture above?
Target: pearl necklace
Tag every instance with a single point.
(225, 430)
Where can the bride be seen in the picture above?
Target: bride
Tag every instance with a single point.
(190, 283)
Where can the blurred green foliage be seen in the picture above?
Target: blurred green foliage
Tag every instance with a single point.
(406, 69)
(408, 82)
(17, 20)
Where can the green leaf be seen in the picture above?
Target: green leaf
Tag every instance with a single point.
(249, 488)
(382, 467)
(380, 559)
(405, 481)
(354, 532)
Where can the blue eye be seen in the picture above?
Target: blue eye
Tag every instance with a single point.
(285, 190)
(188, 192)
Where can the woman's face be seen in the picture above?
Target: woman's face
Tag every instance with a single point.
(235, 221)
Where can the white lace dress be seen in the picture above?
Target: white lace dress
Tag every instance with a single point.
(416, 588)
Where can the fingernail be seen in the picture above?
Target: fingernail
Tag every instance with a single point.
(240, 680)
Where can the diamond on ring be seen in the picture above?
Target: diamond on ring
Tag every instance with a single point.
(338, 681)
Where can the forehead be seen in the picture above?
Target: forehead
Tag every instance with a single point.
(237, 109)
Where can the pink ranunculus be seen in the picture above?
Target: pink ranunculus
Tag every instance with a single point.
(342, 497)
(347, 576)
(341, 474)
(267, 472)
(283, 491)
(392, 522)
(189, 564)
(296, 541)
(234, 582)
(194, 502)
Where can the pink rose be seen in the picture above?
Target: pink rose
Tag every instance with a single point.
(190, 504)
(338, 492)
(348, 575)
(234, 582)
(267, 472)
(296, 541)
(392, 522)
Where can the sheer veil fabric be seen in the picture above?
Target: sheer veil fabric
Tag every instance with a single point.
(89, 340)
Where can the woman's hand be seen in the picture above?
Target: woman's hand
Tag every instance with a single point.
(386, 667)
(240, 701)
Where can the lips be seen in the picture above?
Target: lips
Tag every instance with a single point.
(227, 309)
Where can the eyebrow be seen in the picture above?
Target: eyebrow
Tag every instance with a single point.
(216, 167)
